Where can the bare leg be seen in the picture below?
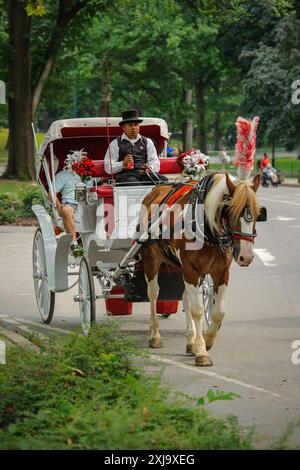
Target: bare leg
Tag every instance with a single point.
(67, 214)
(217, 316)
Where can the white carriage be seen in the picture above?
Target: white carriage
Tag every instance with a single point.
(105, 221)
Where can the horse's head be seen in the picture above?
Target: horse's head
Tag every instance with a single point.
(242, 213)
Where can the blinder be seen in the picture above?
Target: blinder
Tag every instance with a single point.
(262, 215)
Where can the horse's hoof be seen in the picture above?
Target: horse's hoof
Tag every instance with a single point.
(155, 343)
(190, 349)
(203, 361)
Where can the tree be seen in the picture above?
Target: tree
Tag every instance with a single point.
(268, 84)
(20, 149)
(24, 92)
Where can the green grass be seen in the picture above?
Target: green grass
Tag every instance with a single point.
(288, 165)
(87, 394)
(3, 140)
(12, 187)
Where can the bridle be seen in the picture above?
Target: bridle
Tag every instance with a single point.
(238, 235)
(230, 234)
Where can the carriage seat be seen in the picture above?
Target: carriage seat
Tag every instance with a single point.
(105, 191)
(168, 166)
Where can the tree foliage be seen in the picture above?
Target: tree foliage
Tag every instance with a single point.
(268, 83)
(158, 52)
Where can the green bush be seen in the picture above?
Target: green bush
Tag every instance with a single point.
(93, 393)
(8, 208)
(18, 204)
(7, 201)
(28, 197)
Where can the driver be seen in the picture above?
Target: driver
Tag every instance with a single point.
(132, 157)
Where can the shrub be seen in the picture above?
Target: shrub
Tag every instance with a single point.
(28, 197)
(8, 206)
(93, 393)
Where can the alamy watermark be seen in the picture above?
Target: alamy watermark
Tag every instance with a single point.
(2, 92)
(2, 352)
(160, 222)
(295, 358)
(296, 92)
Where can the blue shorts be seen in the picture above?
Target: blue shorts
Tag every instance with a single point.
(72, 204)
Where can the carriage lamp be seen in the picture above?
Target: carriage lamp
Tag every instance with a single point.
(81, 193)
(92, 198)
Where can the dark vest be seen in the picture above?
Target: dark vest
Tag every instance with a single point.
(138, 150)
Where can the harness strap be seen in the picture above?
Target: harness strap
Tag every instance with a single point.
(198, 197)
(249, 237)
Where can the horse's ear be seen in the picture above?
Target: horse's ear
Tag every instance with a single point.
(255, 183)
(230, 185)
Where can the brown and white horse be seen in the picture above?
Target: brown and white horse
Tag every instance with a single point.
(231, 210)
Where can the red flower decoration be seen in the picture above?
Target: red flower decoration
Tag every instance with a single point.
(85, 169)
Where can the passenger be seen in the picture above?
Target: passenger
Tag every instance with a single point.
(65, 183)
(132, 158)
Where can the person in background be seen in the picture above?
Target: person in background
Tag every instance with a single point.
(225, 158)
(265, 161)
(132, 157)
(170, 152)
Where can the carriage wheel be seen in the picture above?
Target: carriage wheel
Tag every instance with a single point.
(45, 298)
(208, 298)
(86, 297)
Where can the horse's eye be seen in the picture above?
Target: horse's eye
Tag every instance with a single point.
(247, 215)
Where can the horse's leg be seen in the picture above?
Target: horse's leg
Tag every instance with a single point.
(217, 316)
(197, 311)
(152, 261)
(153, 291)
(190, 325)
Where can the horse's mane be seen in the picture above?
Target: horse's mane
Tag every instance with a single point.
(242, 195)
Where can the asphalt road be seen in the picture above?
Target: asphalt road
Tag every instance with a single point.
(253, 353)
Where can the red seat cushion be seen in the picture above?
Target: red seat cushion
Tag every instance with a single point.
(104, 191)
(168, 166)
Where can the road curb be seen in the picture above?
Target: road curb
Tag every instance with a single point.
(18, 339)
(13, 328)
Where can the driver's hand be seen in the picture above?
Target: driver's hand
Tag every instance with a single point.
(144, 169)
(127, 159)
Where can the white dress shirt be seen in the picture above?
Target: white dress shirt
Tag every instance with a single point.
(113, 153)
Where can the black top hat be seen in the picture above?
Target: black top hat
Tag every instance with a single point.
(131, 115)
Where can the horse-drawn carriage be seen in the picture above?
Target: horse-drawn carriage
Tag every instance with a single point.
(116, 235)
(106, 221)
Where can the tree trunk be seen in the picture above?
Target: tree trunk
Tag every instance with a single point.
(217, 134)
(188, 125)
(20, 148)
(200, 107)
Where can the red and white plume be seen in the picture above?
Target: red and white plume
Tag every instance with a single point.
(245, 146)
